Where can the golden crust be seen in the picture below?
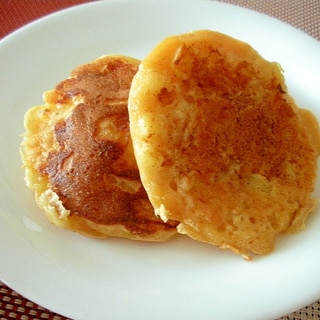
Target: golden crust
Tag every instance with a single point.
(78, 156)
(220, 145)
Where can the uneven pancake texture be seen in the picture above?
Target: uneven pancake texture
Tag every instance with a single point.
(220, 145)
(78, 155)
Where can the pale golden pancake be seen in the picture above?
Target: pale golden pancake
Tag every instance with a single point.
(220, 145)
(78, 156)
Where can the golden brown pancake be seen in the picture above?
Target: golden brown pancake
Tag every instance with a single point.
(220, 145)
(79, 160)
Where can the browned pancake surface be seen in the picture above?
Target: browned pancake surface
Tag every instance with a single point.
(79, 158)
(220, 145)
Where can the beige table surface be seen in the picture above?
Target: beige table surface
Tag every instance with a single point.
(302, 14)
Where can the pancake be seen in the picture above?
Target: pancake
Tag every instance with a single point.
(78, 156)
(220, 145)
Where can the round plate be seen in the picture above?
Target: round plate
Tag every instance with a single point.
(84, 278)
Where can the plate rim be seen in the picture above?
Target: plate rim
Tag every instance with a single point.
(57, 15)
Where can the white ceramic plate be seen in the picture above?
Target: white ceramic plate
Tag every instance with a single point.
(119, 279)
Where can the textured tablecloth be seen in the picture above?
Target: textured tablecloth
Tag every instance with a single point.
(302, 14)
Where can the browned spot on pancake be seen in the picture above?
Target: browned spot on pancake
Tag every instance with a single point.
(254, 132)
(165, 96)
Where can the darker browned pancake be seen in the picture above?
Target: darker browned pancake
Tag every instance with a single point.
(89, 163)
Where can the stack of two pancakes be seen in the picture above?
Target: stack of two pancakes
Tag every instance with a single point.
(223, 153)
